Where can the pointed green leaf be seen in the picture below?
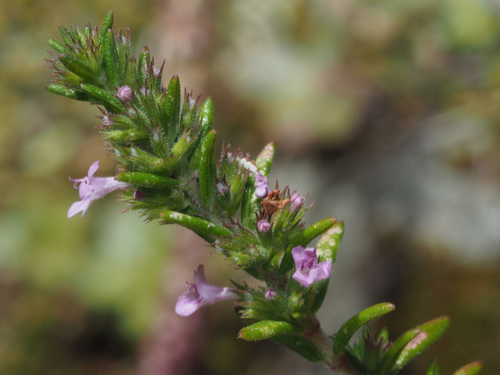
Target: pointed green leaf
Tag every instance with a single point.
(101, 96)
(386, 366)
(207, 169)
(266, 329)
(67, 92)
(110, 58)
(320, 294)
(470, 369)
(265, 159)
(171, 110)
(203, 228)
(348, 329)
(206, 117)
(60, 48)
(107, 24)
(433, 368)
(250, 203)
(301, 346)
(143, 64)
(79, 67)
(313, 231)
(329, 243)
(205, 121)
(430, 332)
(147, 180)
(180, 150)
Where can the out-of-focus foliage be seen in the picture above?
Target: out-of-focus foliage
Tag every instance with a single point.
(387, 109)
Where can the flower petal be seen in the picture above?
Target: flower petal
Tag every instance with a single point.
(93, 168)
(187, 304)
(78, 206)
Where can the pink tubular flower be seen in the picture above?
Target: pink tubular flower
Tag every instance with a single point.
(200, 294)
(92, 188)
(308, 270)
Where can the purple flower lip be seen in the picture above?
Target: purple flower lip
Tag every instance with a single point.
(308, 269)
(200, 294)
(92, 188)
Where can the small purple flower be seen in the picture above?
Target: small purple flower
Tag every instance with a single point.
(263, 226)
(200, 294)
(261, 188)
(296, 201)
(106, 121)
(125, 94)
(308, 270)
(270, 293)
(92, 188)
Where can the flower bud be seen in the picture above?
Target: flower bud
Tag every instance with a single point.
(125, 94)
(296, 201)
(263, 226)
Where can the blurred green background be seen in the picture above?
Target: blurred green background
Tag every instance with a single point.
(386, 112)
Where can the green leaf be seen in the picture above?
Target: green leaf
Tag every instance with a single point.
(179, 151)
(470, 369)
(266, 329)
(206, 117)
(107, 24)
(147, 180)
(328, 244)
(203, 228)
(433, 369)
(67, 92)
(60, 48)
(320, 294)
(265, 159)
(207, 169)
(79, 67)
(301, 346)
(101, 96)
(387, 365)
(143, 64)
(313, 231)
(171, 110)
(430, 332)
(348, 329)
(110, 58)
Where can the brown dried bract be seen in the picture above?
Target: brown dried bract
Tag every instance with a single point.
(273, 203)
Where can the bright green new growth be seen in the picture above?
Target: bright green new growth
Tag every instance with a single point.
(165, 149)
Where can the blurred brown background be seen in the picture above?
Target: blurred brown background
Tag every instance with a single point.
(385, 112)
